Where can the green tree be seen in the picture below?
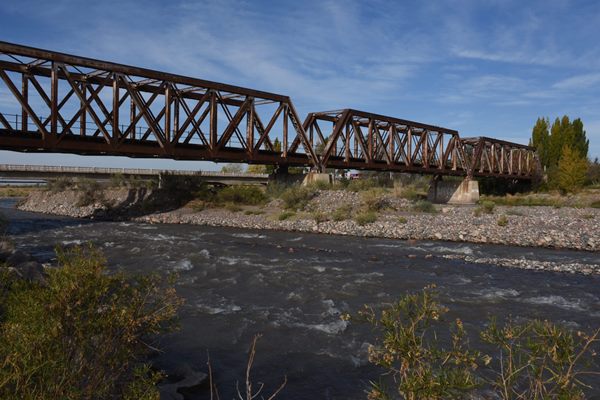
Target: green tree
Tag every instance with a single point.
(580, 141)
(561, 134)
(572, 170)
(540, 138)
(232, 168)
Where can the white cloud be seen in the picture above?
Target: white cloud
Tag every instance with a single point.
(584, 81)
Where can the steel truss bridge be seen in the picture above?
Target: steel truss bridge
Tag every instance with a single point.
(55, 102)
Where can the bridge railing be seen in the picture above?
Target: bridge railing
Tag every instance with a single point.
(124, 171)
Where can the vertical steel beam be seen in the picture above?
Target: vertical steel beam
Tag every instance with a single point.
(168, 99)
(54, 99)
(115, 112)
(25, 93)
(82, 116)
(284, 145)
(213, 134)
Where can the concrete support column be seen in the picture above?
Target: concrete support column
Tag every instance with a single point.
(316, 177)
(454, 192)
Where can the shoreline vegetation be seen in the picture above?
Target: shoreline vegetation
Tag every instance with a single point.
(366, 207)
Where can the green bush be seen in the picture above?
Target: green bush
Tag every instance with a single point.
(409, 193)
(503, 220)
(408, 350)
(374, 199)
(532, 360)
(319, 216)
(90, 192)
(85, 334)
(297, 197)
(241, 194)
(342, 213)
(365, 217)
(320, 185)
(424, 206)
(59, 184)
(402, 220)
(285, 215)
(358, 185)
(487, 207)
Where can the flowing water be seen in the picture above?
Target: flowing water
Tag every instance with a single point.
(292, 288)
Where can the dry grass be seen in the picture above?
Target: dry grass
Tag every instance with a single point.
(12, 191)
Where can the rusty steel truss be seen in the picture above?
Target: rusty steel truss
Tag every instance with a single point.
(62, 103)
(360, 140)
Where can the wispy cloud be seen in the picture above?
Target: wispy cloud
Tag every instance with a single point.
(585, 81)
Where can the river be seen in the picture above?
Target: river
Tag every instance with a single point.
(293, 287)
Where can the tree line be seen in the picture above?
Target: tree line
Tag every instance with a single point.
(563, 152)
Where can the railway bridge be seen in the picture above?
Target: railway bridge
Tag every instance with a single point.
(55, 102)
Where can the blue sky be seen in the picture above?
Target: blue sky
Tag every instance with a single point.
(481, 67)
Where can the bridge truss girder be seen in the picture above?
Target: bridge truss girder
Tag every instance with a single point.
(359, 140)
(65, 103)
(87, 106)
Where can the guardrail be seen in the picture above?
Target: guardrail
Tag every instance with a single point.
(124, 171)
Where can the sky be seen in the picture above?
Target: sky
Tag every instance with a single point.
(484, 68)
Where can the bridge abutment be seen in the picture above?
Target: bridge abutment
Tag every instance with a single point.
(453, 192)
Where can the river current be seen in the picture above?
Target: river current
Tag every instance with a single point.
(293, 287)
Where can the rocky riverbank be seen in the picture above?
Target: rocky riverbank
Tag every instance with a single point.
(564, 228)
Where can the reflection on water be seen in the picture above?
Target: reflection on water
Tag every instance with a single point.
(293, 287)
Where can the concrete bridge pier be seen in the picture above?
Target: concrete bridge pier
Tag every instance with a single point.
(317, 177)
(453, 191)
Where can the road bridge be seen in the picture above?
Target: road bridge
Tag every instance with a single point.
(55, 102)
(43, 172)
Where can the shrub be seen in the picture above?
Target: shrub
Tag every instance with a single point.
(408, 349)
(402, 220)
(118, 180)
(297, 197)
(424, 206)
(241, 194)
(319, 216)
(358, 185)
(540, 359)
(503, 220)
(487, 207)
(59, 184)
(286, 215)
(90, 192)
(320, 185)
(342, 213)
(374, 199)
(85, 334)
(365, 217)
(409, 193)
(535, 360)
(275, 189)
(595, 204)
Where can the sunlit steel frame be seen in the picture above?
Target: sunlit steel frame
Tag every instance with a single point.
(97, 126)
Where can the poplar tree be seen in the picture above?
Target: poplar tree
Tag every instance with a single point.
(572, 170)
(540, 138)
